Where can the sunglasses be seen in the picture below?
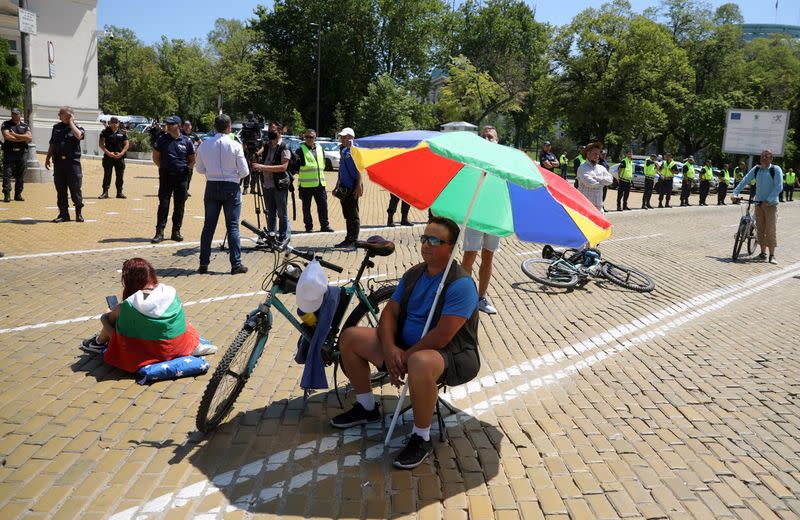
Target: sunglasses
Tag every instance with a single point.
(432, 240)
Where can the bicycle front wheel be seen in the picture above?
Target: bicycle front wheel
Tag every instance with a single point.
(229, 378)
(738, 240)
(549, 273)
(751, 239)
(628, 277)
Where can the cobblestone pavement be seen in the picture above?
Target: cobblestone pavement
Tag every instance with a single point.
(593, 403)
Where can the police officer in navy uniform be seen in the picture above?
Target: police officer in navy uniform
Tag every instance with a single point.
(114, 143)
(16, 136)
(186, 129)
(65, 151)
(174, 156)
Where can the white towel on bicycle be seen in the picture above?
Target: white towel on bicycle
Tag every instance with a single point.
(310, 352)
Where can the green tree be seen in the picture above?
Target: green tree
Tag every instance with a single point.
(147, 92)
(11, 87)
(471, 95)
(296, 124)
(388, 107)
(115, 69)
(182, 63)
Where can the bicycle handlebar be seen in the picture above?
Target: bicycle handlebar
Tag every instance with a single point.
(302, 254)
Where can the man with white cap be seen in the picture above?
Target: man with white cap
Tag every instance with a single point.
(348, 188)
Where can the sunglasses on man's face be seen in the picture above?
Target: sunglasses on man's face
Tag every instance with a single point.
(432, 240)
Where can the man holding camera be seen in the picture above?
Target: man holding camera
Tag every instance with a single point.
(276, 182)
(251, 140)
(311, 178)
(222, 161)
(114, 143)
(174, 156)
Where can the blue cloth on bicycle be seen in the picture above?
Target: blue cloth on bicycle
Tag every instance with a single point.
(314, 371)
(460, 300)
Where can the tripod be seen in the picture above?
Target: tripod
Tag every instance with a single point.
(258, 199)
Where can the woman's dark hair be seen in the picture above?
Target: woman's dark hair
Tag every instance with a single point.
(137, 273)
(451, 226)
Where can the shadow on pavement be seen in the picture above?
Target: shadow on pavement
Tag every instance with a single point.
(130, 240)
(740, 260)
(286, 459)
(25, 221)
(93, 365)
(534, 287)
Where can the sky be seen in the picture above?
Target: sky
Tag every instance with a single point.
(150, 19)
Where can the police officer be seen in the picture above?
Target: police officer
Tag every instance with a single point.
(706, 174)
(668, 171)
(65, 151)
(624, 181)
(311, 178)
(16, 136)
(724, 179)
(174, 156)
(649, 180)
(577, 161)
(114, 143)
(789, 182)
(563, 162)
(186, 129)
(688, 180)
(738, 175)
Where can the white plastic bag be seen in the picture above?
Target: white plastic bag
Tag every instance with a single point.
(311, 287)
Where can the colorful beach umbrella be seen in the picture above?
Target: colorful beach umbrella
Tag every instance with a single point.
(441, 171)
(484, 185)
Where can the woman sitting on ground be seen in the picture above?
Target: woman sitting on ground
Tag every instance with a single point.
(149, 326)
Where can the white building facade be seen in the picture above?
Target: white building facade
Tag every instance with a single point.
(63, 60)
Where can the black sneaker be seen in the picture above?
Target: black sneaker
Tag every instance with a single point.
(203, 269)
(92, 346)
(345, 244)
(762, 256)
(417, 449)
(357, 415)
(239, 269)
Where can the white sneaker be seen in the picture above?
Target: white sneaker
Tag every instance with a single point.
(205, 349)
(92, 346)
(773, 260)
(484, 305)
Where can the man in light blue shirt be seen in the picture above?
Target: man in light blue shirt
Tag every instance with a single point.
(222, 161)
(769, 183)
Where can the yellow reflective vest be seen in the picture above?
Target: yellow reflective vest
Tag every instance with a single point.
(649, 169)
(790, 178)
(312, 173)
(707, 174)
(626, 174)
(666, 169)
(689, 173)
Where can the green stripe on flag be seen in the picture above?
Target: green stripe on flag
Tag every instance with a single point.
(133, 324)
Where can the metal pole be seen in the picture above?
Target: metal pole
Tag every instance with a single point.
(319, 55)
(33, 170)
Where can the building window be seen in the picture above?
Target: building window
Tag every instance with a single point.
(12, 46)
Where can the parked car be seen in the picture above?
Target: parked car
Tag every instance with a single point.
(332, 156)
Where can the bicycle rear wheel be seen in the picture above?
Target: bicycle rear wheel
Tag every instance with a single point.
(628, 277)
(738, 240)
(229, 378)
(549, 273)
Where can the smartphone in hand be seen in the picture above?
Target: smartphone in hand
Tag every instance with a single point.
(112, 301)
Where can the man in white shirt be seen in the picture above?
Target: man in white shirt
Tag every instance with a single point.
(222, 161)
(593, 176)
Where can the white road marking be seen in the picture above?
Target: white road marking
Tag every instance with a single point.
(692, 308)
(213, 299)
(112, 213)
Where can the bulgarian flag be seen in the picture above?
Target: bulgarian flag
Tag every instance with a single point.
(150, 330)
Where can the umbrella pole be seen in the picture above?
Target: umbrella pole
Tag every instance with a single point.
(435, 301)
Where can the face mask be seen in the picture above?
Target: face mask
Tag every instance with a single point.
(272, 135)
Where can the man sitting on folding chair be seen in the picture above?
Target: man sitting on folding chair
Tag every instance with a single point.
(446, 355)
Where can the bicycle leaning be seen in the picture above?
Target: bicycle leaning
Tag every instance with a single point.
(571, 267)
(745, 232)
(239, 361)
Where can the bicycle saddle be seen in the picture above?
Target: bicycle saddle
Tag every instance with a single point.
(376, 245)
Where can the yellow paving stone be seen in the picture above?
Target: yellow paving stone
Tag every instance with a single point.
(20, 455)
(480, 507)
(51, 499)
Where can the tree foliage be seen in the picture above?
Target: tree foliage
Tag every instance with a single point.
(11, 87)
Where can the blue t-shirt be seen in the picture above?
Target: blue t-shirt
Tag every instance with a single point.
(460, 299)
(175, 153)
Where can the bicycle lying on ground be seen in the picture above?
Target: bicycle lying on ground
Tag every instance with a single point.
(745, 233)
(240, 359)
(571, 267)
